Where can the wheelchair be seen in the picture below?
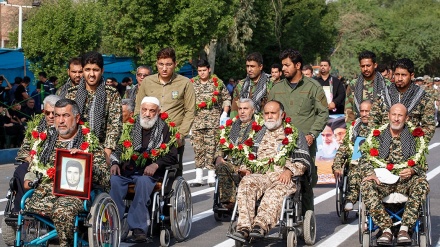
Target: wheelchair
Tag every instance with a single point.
(97, 225)
(171, 208)
(291, 224)
(420, 233)
(341, 195)
(220, 213)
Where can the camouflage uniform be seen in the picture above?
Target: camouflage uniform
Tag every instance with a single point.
(343, 157)
(206, 122)
(435, 94)
(416, 188)
(265, 186)
(227, 187)
(63, 209)
(422, 114)
(113, 115)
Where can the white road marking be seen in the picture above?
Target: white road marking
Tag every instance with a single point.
(3, 200)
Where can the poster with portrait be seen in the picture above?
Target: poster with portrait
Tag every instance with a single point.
(328, 143)
(73, 175)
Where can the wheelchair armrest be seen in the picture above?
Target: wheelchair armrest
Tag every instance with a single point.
(27, 195)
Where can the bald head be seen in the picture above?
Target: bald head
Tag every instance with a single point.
(398, 115)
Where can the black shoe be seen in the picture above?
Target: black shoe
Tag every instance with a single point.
(139, 235)
(241, 235)
(257, 232)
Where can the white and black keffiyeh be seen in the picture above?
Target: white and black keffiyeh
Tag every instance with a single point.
(378, 88)
(409, 99)
(156, 137)
(356, 129)
(50, 142)
(406, 139)
(234, 135)
(96, 115)
(65, 88)
(260, 90)
(131, 94)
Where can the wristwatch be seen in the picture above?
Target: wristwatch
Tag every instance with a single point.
(314, 137)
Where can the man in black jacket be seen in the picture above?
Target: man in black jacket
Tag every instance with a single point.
(333, 88)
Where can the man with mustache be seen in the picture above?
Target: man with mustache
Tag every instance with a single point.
(75, 73)
(149, 133)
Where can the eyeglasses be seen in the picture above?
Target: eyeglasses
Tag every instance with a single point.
(161, 65)
(48, 113)
(142, 75)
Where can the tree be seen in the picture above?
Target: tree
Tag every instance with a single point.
(60, 30)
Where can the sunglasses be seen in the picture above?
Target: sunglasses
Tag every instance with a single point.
(47, 113)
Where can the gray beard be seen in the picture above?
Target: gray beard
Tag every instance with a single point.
(148, 123)
(273, 125)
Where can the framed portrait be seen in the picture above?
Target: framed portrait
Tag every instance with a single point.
(73, 174)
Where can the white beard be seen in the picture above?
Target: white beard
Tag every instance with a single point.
(148, 123)
(273, 125)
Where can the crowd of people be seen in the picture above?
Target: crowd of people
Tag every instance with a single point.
(268, 129)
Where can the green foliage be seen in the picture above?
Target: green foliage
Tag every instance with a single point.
(59, 30)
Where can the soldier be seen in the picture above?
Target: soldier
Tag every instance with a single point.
(212, 104)
(148, 134)
(225, 162)
(396, 146)
(175, 93)
(255, 86)
(75, 73)
(141, 73)
(435, 94)
(269, 185)
(368, 86)
(100, 105)
(69, 135)
(345, 152)
(420, 105)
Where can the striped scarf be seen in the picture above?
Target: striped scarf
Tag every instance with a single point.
(409, 99)
(378, 88)
(406, 139)
(260, 90)
(50, 142)
(156, 137)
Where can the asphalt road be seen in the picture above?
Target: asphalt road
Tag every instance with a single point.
(206, 232)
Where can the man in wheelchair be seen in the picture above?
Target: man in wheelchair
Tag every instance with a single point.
(396, 150)
(73, 135)
(275, 154)
(146, 147)
(343, 156)
(226, 164)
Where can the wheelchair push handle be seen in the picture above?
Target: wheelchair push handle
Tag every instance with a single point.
(34, 184)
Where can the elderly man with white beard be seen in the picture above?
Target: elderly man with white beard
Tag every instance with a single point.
(146, 147)
(276, 153)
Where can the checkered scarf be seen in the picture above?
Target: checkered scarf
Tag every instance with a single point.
(356, 129)
(260, 90)
(409, 99)
(64, 89)
(96, 115)
(156, 137)
(406, 139)
(234, 135)
(50, 142)
(378, 88)
(132, 93)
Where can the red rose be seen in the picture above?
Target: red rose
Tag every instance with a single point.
(145, 155)
(163, 146)
(154, 152)
(202, 104)
(85, 131)
(411, 162)
(374, 152)
(418, 132)
(134, 157)
(390, 167)
(236, 117)
(376, 132)
(32, 153)
(177, 135)
(251, 156)
(353, 123)
(215, 84)
(172, 124)
(240, 147)
(81, 122)
(288, 131)
(215, 93)
(256, 127)
(288, 120)
(127, 143)
(231, 146)
(131, 120)
(249, 142)
(221, 127)
(164, 115)
(50, 172)
(84, 145)
(214, 79)
(192, 80)
(35, 134)
(229, 122)
(213, 99)
(222, 141)
(43, 136)
(285, 141)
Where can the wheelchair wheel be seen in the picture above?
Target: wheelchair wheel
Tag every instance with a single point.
(309, 227)
(181, 209)
(104, 221)
(339, 196)
(425, 238)
(165, 238)
(8, 233)
(292, 241)
(366, 239)
(362, 221)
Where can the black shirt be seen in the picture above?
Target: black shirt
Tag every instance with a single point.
(338, 93)
(19, 93)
